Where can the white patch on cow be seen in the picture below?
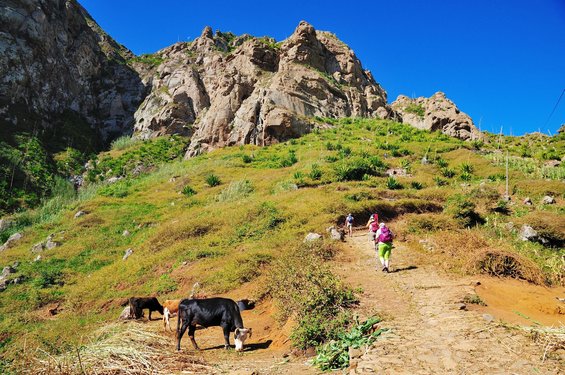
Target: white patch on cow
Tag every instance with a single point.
(240, 335)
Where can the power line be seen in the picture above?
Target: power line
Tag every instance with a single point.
(554, 108)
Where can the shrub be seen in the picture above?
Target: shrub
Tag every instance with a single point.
(335, 354)
(315, 173)
(463, 210)
(416, 185)
(212, 180)
(355, 169)
(440, 181)
(505, 264)
(442, 163)
(188, 191)
(447, 172)
(416, 109)
(305, 288)
(466, 176)
(246, 159)
(467, 168)
(393, 184)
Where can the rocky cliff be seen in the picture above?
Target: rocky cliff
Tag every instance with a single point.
(226, 90)
(435, 113)
(58, 66)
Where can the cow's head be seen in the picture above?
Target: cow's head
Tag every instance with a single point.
(241, 334)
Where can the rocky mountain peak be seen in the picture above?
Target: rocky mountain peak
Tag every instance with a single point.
(436, 113)
(224, 89)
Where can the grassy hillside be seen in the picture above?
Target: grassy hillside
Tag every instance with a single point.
(238, 216)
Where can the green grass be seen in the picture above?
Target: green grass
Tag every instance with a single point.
(247, 227)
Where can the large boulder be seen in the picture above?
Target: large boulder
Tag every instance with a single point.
(435, 113)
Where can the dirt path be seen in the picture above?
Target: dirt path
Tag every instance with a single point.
(429, 333)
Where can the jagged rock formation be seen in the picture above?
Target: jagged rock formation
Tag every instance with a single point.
(435, 113)
(57, 66)
(226, 90)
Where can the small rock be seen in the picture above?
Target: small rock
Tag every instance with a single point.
(11, 241)
(312, 237)
(527, 233)
(51, 244)
(2, 286)
(548, 200)
(17, 280)
(127, 254)
(113, 180)
(125, 233)
(462, 306)
(38, 247)
(79, 214)
(489, 318)
(528, 201)
(336, 234)
(37, 259)
(8, 270)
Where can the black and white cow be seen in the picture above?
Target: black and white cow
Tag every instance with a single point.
(211, 312)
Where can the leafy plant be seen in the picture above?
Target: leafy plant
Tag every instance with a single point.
(393, 184)
(447, 172)
(212, 180)
(335, 354)
(315, 173)
(188, 191)
(416, 109)
(416, 185)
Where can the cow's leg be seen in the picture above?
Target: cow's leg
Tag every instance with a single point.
(181, 332)
(226, 336)
(191, 331)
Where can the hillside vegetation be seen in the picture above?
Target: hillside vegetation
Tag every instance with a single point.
(238, 216)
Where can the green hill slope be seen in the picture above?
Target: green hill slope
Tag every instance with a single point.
(238, 216)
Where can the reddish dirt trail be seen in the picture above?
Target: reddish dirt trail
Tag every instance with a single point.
(429, 333)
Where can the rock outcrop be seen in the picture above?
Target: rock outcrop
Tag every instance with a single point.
(435, 113)
(58, 68)
(226, 90)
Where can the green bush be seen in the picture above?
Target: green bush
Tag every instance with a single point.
(417, 185)
(447, 172)
(305, 288)
(246, 159)
(118, 189)
(315, 173)
(354, 169)
(188, 191)
(393, 184)
(416, 109)
(212, 180)
(335, 354)
(463, 211)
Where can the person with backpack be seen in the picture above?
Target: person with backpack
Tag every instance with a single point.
(383, 238)
(349, 224)
(373, 225)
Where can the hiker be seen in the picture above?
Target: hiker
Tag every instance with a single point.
(349, 224)
(383, 238)
(373, 225)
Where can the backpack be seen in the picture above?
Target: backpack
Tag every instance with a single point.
(386, 235)
(350, 219)
(374, 226)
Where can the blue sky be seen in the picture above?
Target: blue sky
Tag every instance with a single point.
(501, 61)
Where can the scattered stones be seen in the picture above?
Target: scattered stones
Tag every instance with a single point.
(8, 270)
(50, 244)
(528, 201)
(527, 233)
(80, 213)
(392, 172)
(336, 234)
(38, 247)
(125, 233)
(548, 200)
(11, 241)
(127, 254)
(310, 237)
